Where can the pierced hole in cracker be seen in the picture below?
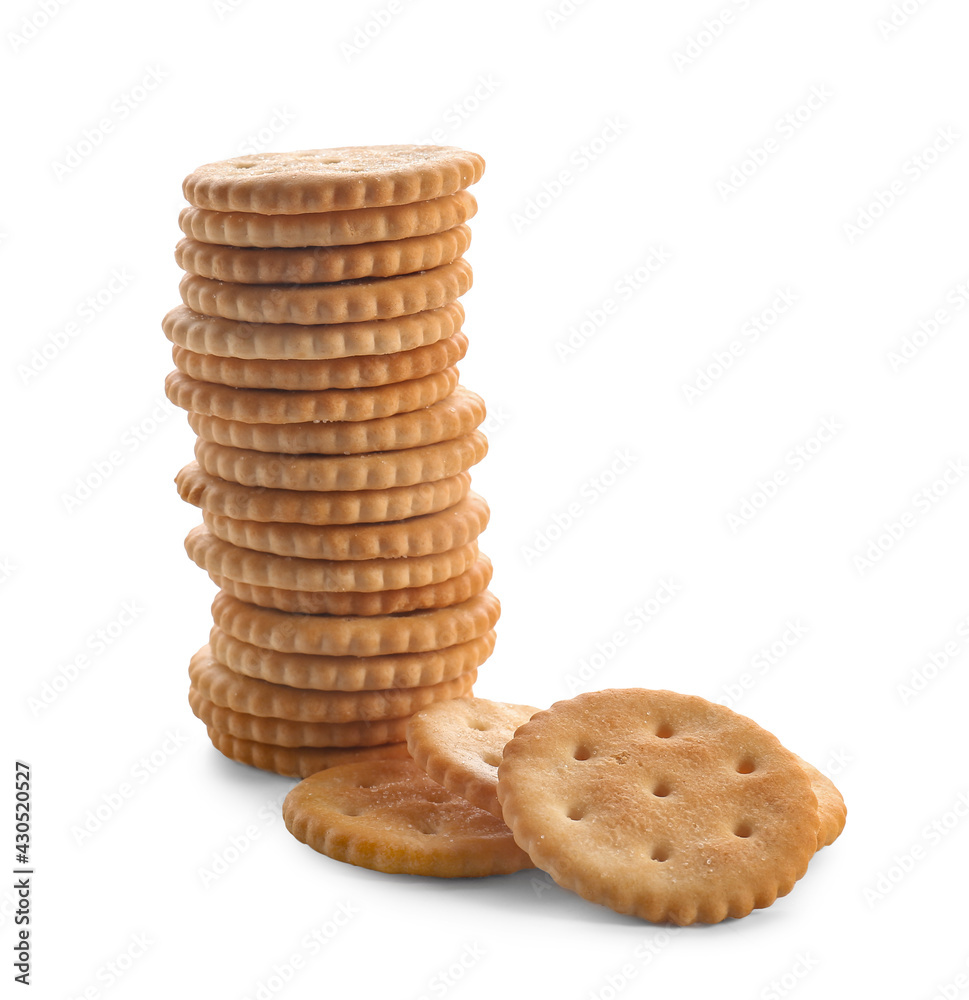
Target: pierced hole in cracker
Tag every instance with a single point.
(746, 766)
(582, 753)
(664, 730)
(660, 854)
(743, 830)
(481, 727)
(662, 790)
(491, 758)
(576, 812)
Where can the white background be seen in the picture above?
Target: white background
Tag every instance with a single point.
(852, 687)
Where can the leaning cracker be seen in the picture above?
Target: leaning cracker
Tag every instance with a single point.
(302, 507)
(311, 265)
(284, 733)
(356, 301)
(459, 744)
(831, 806)
(390, 817)
(324, 180)
(370, 471)
(291, 341)
(222, 687)
(333, 373)
(327, 229)
(271, 406)
(384, 602)
(298, 762)
(659, 804)
(351, 673)
(262, 569)
(449, 418)
(415, 536)
(413, 632)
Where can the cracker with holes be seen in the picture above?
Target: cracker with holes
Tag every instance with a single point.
(461, 746)
(388, 815)
(659, 804)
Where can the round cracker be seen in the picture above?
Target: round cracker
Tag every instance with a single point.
(351, 673)
(282, 406)
(452, 417)
(311, 265)
(254, 503)
(413, 632)
(343, 473)
(224, 687)
(336, 575)
(445, 594)
(327, 229)
(292, 342)
(659, 804)
(391, 817)
(460, 743)
(311, 375)
(355, 301)
(298, 762)
(286, 733)
(326, 180)
(414, 536)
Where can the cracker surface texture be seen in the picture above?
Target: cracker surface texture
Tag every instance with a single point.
(658, 804)
(391, 817)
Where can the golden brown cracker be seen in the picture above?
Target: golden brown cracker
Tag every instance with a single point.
(329, 635)
(326, 180)
(356, 301)
(659, 804)
(461, 747)
(390, 817)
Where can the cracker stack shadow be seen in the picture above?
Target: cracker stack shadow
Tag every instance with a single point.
(315, 352)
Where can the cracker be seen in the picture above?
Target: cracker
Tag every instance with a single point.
(327, 635)
(310, 265)
(271, 406)
(262, 569)
(355, 301)
(384, 602)
(223, 687)
(351, 673)
(290, 341)
(285, 733)
(323, 180)
(460, 743)
(832, 812)
(298, 762)
(254, 503)
(449, 418)
(333, 373)
(328, 229)
(659, 804)
(415, 536)
(371, 471)
(390, 817)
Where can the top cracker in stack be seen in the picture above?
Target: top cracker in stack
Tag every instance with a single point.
(315, 353)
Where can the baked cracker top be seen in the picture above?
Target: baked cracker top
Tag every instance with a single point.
(327, 180)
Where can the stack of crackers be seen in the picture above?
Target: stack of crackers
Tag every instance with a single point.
(315, 353)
